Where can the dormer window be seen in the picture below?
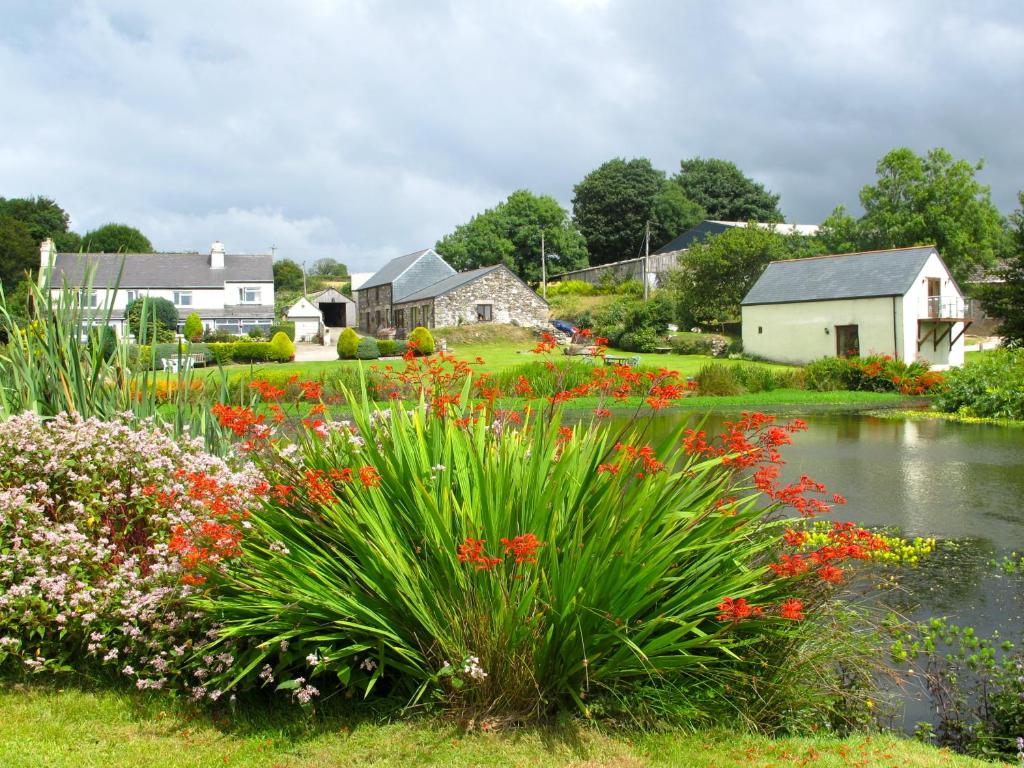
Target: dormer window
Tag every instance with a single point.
(250, 295)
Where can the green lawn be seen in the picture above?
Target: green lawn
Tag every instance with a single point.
(74, 729)
(497, 357)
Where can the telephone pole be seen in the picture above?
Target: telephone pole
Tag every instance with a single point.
(543, 268)
(647, 255)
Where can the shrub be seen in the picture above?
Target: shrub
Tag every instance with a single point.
(257, 333)
(718, 379)
(193, 330)
(571, 288)
(287, 328)
(827, 374)
(691, 345)
(991, 386)
(875, 373)
(368, 349)
(214, 336)
(348, 343)
(387, 347)
(641, 340)
(96, 514)
(282, 348)
(510, 571)
(759, 378)
(421, 340)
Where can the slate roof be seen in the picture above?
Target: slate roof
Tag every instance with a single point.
(846, 276)
(695, 235)
(392, 270)
(330, 295)
(448, 284)
(160, 270)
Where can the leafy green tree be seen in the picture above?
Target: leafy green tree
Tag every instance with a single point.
(287, 276)
(19, 251)
(614, 203)
(161, 319)
(41, 215)
(714, 276)
(1005, 300)
(193, 329)
(725, 192)
(116, 238)
(329, 268)
(68, 242)
(839, 232)
(510, 233)
(932, 199)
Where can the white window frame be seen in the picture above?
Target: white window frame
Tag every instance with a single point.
(89, 299)
(180, 295)
(257, 293)
(131, 295)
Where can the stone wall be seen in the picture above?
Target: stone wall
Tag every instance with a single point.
(510, 299)
(374, 306)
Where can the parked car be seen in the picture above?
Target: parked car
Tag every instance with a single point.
(565, 327)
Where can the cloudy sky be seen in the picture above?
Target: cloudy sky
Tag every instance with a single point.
(362, 130)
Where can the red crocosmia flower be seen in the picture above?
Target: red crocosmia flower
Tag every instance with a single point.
(795, 538)
(318, 489)
(601, 341)
(523, 547)
(471, 551)
(612, 469)
(564, 435)
(369, 477)
(738, 610)
(602, 413)
(311, 390)
(792, 609)
(831, 574)
(281, 492)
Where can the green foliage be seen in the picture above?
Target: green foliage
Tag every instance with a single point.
(631, 321)
(1005, 300)
(571, 288)
(613, 204)
(116, 238)
(287, 275)
(367, 349)
(348, 343)
(193, 330)
(722, 190)
(718, 380)
(829, 374)
(643, 339)
(161, 318)
(621, 589)
(19, 252)
(257, 333)
(281, 347)
(287, 328)
(41, 216)
(390, 347)
(991, 386)
(329, 268)
(929, 199)
(421, 340)
(699, 344)
(510, 233)
(873, 373)
(714, 276)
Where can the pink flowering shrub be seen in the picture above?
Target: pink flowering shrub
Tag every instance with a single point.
(100, 522)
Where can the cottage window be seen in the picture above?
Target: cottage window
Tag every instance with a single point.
(131, 296)
(414, 316)
(89, 299)
(484, 313)
(183, 298)
(250, 295)
(847, 340)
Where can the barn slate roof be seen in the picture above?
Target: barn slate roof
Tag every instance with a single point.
(845, 276)
(449, 283)
(160, 270)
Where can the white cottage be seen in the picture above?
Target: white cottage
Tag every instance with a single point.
(901, 302)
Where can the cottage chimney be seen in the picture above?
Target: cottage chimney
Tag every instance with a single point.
(47, 254)
(217, 255)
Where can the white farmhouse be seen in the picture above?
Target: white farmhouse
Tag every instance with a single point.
(229, 292)
(901, 302)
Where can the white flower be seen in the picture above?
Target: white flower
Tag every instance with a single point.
(312, 659)
(369, 665)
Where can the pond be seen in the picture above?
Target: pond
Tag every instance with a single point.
(927, 478)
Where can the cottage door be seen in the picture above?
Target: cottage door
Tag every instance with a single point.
(934, 296)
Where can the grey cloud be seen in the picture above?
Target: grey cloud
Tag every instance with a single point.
(360, 130)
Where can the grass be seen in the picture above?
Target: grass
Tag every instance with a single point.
(81, 729)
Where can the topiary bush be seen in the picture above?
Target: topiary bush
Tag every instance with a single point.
(422, 341)
(387, 347)
(282, 348)
(193, 329)
(368, 349)
(161, 317)
(348, 343)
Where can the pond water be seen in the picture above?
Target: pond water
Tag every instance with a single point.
(927, 478)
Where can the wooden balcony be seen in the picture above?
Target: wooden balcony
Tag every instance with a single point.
(937, 317)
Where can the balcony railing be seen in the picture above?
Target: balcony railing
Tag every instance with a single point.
(946, 308)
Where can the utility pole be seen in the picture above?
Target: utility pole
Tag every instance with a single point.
(303, 278)
(543, 268)
(647, 255)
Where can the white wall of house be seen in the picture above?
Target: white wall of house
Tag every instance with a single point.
(800, 332)
(916, 303)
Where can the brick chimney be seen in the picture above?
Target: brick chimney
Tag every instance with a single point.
(217, 255)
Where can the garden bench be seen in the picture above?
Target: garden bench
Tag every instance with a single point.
(186, 362)
(663, 350)
(632, 362)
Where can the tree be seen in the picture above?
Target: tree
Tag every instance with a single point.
(116, 238)
(725, 192)
(614, 203)
(935, 200)
(287, 275)
(41, 215)
(839, 233)
(161, 319)
(1005, 300)
(714, 276)
(510, 234)
(19, 251)
(193, 329)
(329, 268)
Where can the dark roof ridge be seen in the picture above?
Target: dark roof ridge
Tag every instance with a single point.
(855, 253)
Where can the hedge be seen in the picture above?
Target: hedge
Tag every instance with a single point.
(288, 329)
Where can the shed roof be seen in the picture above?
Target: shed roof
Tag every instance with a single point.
(329, 295)
(711, 227)
(845, 276)
(160, 270)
